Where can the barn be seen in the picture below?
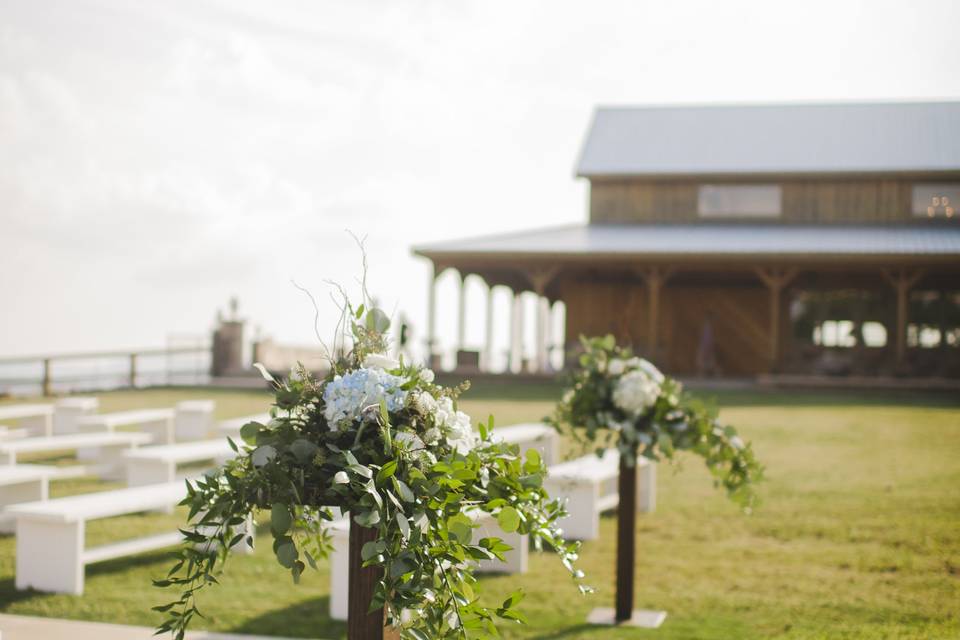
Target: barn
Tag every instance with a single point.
(737, 241)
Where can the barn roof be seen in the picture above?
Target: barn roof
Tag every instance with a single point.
(773, 139)
(707, 241)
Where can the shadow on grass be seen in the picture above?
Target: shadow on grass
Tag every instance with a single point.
(308, 619)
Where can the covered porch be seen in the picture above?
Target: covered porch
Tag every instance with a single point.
(722, 300)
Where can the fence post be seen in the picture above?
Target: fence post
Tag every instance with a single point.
(46, 383)
(133, 370)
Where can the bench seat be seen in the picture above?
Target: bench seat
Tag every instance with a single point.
(108, 447)
(50, 535)
(158, 422)
(37, 419)
(158, 464)
(231, 427)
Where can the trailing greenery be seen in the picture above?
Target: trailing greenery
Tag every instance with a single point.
(377, 439)
(617, 399)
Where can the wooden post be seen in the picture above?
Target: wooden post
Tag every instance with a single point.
(626, 540)
(654, 278)
(47, 382)
(133, 370)
(362, 582)
(431, 315)
(775, 279)
(902, 281)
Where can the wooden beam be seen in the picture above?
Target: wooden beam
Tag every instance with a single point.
(776, 278)
(902, 280)
(362, 583)
(654, 277)
(626, 540)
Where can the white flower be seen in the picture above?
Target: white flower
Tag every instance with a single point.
(340, 477)
(426, 375)
(616, 367)
(346, 397)
(380, 361)
(424, 403)
(455, 426)
(636, 392)
(647, 367)
(432, 436)
(736, 442)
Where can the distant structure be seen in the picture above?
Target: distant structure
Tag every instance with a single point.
(745, 240)
(227, 356)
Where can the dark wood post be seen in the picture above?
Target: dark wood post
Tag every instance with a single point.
(47, 382)
(361, 584)
(626, 540)
(133, 370)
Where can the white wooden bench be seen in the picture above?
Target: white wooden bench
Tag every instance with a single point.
(194, 420)
(22, 483)
(533, 435)
(108, 448)
(156, 465)
(37, 419)
(67, 410)
(231, 428)
(158, 422)
(590, 486)
(516, 558)
(51, 553)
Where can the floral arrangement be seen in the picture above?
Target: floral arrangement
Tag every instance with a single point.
(378, 439)
(618, 399)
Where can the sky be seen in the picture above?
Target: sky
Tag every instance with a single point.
(158, 158)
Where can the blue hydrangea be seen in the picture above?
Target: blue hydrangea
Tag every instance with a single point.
(345, 397)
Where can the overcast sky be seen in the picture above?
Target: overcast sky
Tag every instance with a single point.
(157, 158)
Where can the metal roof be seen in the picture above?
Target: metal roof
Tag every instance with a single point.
(770, 139)
(708, 240)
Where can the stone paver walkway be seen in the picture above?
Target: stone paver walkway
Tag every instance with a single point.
(30, 628)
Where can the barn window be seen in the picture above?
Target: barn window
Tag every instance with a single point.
(739, 201)
(936, 200)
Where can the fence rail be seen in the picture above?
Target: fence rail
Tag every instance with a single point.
(52, 373)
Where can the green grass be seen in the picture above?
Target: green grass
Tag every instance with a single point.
(858, 535)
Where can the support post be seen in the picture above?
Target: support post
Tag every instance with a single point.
(462, 314)
(47, 382)
(516, 334)
(431, 314)
(133, 370)
(902, 281)
(654, 278)
(488, 340)
(626, 541)
(362, 583)
(775, 279)
(540, 278)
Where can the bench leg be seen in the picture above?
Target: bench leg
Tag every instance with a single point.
(8, 458)
(339, 573)
(161, 430)
(647, 487)
(33, 491)
(515, 560)
(143, 472)
(583, 505)
(111, 463)
(50, 556)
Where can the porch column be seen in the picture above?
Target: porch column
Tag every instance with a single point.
(431, 314)
(902, 281)
(488, 342)
(516, 334)
(462, 313)
(539, 279)
(654, 278)
(775, 279)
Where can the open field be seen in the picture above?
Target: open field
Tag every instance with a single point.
(858, 535)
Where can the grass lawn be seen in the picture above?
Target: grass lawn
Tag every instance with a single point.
(858, 535)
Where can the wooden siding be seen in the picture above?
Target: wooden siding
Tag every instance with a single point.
(803, 201)
(740, 316)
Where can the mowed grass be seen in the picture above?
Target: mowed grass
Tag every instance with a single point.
(858, 535)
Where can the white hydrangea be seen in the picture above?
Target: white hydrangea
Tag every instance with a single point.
(616, 367)
(381, 361)
(636, 391)
(647, 367)
(424, 403)
(455, 426)
(345, 397)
